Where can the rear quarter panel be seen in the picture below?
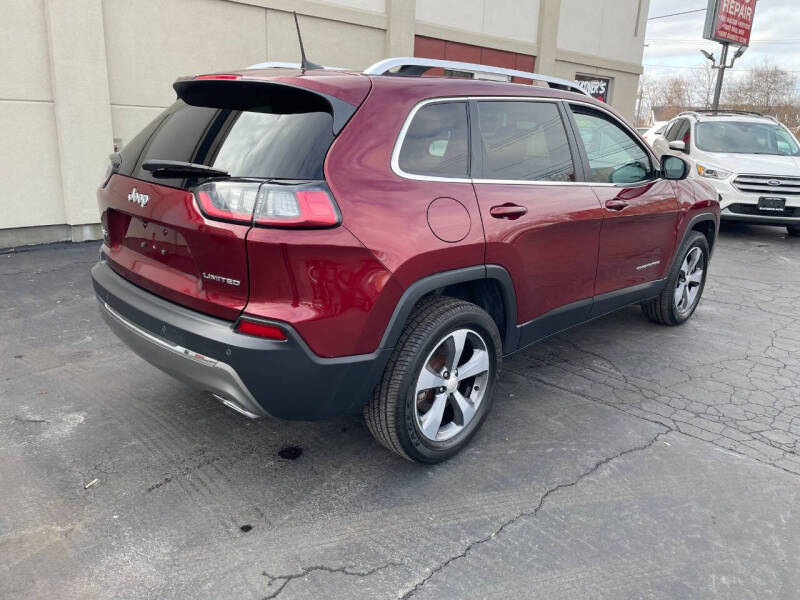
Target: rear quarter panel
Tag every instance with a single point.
(388, 213)
(330, 288)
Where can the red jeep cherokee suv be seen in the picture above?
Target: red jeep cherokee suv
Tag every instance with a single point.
(311, 244)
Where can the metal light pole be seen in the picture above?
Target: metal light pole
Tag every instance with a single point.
(723, 59)
(723, 64)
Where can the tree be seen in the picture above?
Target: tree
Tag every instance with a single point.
(767, 89)
(645, 100)
(762, 88)
(668, 97)
(676, 91)
(703, 81)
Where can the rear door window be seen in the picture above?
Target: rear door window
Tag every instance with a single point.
(436, 143)
(524, 141)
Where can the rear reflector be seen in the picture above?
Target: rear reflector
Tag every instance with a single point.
(268, 204)
(264, 330)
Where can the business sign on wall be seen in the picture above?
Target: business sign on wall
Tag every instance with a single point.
(596, 87)
(729, 21)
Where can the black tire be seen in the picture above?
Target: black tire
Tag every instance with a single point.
(391, 414)
(663, 309)
(793, 230)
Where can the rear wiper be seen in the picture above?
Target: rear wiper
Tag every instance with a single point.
(169, 169)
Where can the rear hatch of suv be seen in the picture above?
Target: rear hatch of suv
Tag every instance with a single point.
(175, 228)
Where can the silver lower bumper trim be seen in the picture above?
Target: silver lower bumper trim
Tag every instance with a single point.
(195, 369)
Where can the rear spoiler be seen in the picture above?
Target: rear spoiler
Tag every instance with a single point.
(238, 93)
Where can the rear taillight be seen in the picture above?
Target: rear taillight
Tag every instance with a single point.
(268, 204)
(258, 329)
(228, 200)
(287, 207)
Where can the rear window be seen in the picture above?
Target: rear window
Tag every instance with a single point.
(437, 142)
(260, 141)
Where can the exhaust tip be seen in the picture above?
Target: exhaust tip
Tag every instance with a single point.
(236, 406)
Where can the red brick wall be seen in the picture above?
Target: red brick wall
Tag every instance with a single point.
(426, 47)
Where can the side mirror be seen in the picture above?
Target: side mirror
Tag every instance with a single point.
(674, 167)
(677, 145)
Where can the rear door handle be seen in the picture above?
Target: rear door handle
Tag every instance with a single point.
(616, 204)
(507, 211)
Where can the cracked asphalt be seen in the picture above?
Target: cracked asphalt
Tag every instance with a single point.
(621, 460)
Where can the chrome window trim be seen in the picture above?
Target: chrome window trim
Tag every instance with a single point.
(395, 160)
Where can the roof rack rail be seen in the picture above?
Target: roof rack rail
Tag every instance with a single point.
(412, 66)
(723, 111)
(288, 65)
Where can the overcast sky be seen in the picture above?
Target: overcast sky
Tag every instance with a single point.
(672, 44)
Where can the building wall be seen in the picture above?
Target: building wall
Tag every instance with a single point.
(509, 19)
(29, 161)
(78, 77)
(611, 29)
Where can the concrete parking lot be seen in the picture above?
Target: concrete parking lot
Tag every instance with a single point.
(621, 460)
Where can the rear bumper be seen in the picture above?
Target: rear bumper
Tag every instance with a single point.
(204, 372)
(255, 376)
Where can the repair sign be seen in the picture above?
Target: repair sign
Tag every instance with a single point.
(729, 21)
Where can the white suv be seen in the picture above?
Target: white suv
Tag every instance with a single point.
(753, 161)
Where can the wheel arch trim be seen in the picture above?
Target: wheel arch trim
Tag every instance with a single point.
(698, 218)
(420, 288)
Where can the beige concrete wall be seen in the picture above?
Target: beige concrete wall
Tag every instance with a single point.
(79, 78)
(611, 29)
(77, 74)
(327, 42)
(29, 160)
(378, 6)
(24, 64)
(189, 37)
(509, 19)
(29, 166)
(151, 42)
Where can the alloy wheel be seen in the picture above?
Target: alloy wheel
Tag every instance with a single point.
(689, 281)
(451, 385)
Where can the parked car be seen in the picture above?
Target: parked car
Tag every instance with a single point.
(655, 131)
(312, 244)
(752, 160)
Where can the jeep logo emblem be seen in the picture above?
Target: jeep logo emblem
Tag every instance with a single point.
(774, 182)
(138, 198)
